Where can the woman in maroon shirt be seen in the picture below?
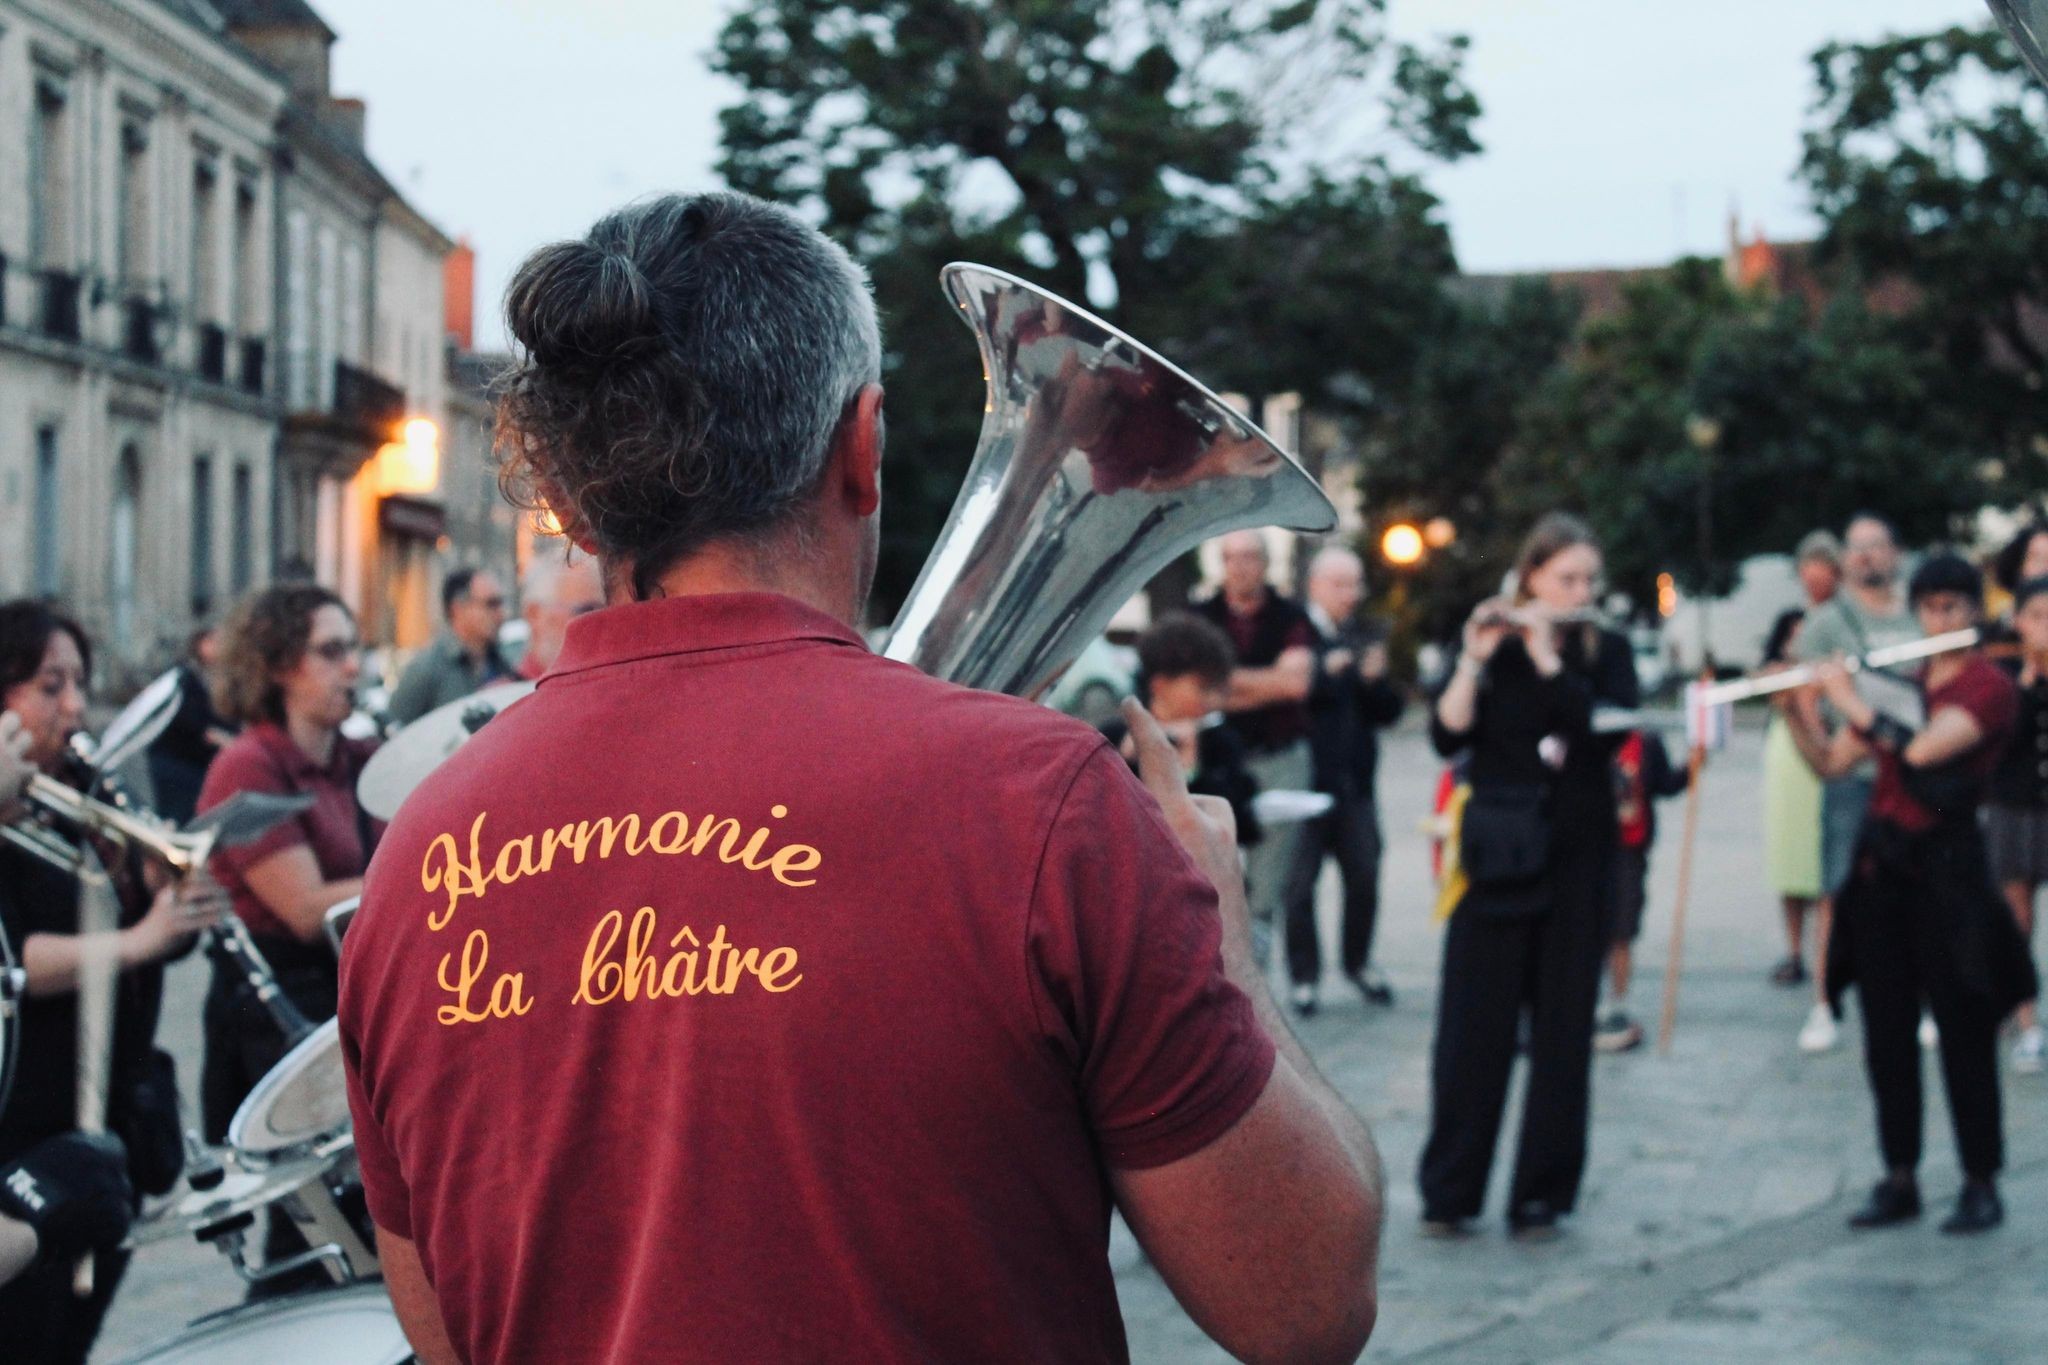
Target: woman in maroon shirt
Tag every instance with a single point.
(289, 664)
(1919, 916)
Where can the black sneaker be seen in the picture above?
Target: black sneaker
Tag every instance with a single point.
(1304, 998)
(1891, 1202)
(1533, 1220)
(1977, 1210)
(1790, 972)
(1372, 984)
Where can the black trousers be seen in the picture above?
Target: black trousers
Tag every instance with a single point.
(1899, 963)
(1349, 831)
(1496, 968)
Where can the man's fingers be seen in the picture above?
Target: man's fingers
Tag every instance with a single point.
(1158, 762)
(1219, 813)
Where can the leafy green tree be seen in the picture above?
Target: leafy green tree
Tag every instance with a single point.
(1928, 165)
(1233, 181)
(1697, 398)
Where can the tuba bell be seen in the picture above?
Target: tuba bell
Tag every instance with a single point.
(1099, 463)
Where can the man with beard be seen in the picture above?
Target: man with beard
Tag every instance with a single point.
(1868, 613)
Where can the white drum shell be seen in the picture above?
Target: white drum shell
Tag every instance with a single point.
(351, 1326)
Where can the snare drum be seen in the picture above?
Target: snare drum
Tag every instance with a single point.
(355, 1325)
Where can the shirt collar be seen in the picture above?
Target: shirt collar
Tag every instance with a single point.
(296, 762)
(1320, 619)
(694, 624)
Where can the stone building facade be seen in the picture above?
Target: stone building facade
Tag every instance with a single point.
(223, 349)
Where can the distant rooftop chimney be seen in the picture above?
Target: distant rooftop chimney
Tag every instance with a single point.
(458, 294)
(288, 35)
(348, 117)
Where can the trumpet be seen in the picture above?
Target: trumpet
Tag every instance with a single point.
(54, 805)
(49, 800)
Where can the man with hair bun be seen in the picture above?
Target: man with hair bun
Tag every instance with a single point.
(940, 985)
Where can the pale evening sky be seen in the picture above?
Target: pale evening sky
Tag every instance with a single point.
(1616, 132)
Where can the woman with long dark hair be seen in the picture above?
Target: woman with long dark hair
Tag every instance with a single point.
(45, 672)
(1537, 842)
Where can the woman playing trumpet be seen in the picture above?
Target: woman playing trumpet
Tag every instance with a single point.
(45, 669)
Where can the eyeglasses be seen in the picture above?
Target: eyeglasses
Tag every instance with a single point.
(336, 651)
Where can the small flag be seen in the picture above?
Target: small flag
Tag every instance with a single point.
(1707, 724)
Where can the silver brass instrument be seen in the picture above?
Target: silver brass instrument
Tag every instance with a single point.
(54, 807)
(1099, 463)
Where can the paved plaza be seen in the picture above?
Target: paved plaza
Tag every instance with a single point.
(1711, 1224)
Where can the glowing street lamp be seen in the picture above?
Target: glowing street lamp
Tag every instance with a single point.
(1401, 544)
(411, 464)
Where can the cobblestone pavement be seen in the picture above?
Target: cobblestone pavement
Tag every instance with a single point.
(1710, 1228)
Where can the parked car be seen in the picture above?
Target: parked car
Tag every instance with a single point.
(1096, 683)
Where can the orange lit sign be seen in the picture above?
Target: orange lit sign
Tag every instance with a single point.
(1667, 595)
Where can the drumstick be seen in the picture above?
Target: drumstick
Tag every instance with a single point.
(99, 918)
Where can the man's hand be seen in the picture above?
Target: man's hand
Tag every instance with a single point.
(73, 1190)
(1372, 662)
(1205, 825)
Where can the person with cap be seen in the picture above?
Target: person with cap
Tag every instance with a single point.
(1791, 791)
(1917, 916)
(1868, 615)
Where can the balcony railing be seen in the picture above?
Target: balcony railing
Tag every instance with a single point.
(138, 330)
(213, 352)
(250, 376)
(364, 399)
(59, 303)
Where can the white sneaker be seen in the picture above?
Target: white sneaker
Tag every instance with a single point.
(2030, 1052)
(1819, 1033)
(1930, 1036)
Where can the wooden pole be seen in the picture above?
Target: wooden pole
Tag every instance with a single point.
(1695, 763)
(99, 917)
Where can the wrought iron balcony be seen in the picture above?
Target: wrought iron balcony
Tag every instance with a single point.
(366, 401)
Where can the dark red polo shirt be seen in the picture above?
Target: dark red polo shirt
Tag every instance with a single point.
(1988, 695)
(838, 990)
(264, 758)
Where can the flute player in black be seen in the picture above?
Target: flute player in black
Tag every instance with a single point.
(1537, 845)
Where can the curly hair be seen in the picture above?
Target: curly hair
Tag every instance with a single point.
(266, 634)
(26, 626)
(1181, 643)
(682, 371)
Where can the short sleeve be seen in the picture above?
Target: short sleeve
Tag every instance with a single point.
(1990, 698)
(1822, 636)
(244, 766)
(384, 1189)
(1124, 955)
